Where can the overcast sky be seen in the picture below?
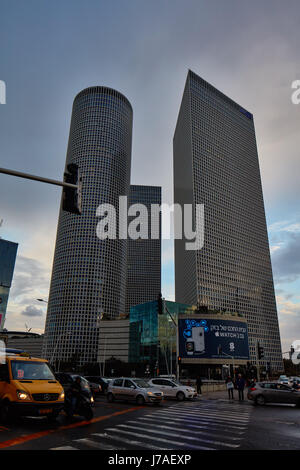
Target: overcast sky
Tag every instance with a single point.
(50, 50)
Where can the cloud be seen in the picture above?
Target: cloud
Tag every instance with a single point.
(31, 311)
(31, 281)
(286, 259)
(30, 277)
(289, 321)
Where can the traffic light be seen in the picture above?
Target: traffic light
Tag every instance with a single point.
(160, 304)
(261, 351)
(71, 201)
(179, 360)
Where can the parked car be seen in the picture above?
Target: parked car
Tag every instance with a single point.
(102, 382)
(294, 379)
(173, 389)
(95, 388)
(273, 392)
(283, 379)
(66, 379)
(137, 390)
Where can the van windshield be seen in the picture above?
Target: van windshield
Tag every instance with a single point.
(22, 370)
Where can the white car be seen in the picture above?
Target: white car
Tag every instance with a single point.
(283, 379)
(173, 389)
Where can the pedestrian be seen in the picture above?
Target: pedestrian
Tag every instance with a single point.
(240, 383)
(229, 386)
(199, 385)
(252, 382)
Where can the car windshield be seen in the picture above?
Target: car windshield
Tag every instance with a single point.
(141, 383)
(22, 370)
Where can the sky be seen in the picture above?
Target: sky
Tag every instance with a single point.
(50, 50)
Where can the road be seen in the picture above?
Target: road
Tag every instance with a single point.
(202, 424)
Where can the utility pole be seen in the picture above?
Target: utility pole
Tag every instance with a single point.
(257, 361)
(177, 342)
(161, 308)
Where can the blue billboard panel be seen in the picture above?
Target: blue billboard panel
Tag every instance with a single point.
(8, 252)
(213, 339)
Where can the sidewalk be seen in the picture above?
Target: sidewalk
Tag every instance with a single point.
(223, 396)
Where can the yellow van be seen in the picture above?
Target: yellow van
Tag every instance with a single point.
(28, 387)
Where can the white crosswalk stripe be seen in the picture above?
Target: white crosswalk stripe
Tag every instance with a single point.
(182, 435)
(190, 429)
(205, 425)
(64, 448)
(159, 439)
(96, 444)
(202, 424)
(144, 445)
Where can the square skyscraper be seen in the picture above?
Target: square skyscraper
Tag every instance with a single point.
(216, 164)
(144, 255)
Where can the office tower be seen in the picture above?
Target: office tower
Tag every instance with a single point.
(89, 274)
(216, 164)
(8, 253)
(144, 255)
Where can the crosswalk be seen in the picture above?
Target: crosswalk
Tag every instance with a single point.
(203, 425)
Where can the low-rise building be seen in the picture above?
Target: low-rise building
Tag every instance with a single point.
(32, 343)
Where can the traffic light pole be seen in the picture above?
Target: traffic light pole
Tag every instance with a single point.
(37, 178)
(257, 362)
(177, 341)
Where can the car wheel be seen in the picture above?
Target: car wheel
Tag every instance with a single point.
(260, 400)
(5, 412)
(110, 398)
(88, 414)
(52, 417)
(180, 396)
(140, 400)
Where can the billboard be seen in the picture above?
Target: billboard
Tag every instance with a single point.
(203, 338)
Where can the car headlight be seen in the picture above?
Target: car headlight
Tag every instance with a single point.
(23, 395)
(150, 393)
(62, 396)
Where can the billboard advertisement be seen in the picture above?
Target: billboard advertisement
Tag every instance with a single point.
(205, 338)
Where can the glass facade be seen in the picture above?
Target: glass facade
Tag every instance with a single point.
(153, 336)
(8, 253)
(144, 255)
(89, 274)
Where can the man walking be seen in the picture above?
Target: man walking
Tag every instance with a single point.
(240, 383)
(199, 385)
